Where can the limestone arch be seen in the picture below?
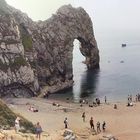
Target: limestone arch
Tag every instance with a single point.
(59, 33)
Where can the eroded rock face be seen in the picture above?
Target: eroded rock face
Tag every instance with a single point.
(39, 54)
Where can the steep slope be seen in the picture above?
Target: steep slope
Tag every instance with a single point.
(7, 119)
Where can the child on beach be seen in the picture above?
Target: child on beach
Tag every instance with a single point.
(38, 131)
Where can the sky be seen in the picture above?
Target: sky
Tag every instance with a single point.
(107, 15)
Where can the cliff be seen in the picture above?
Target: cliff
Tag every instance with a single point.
(37, 56)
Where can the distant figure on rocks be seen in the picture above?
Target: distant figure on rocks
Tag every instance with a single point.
(98, 127)
(103, 126)
(91, 123)
(83, 116)
(38, 130)
(17, 124)
(66, 123)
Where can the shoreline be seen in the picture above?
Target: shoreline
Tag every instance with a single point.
(110, 99)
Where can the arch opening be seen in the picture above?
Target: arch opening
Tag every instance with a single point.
(78, 68)
(85, 79)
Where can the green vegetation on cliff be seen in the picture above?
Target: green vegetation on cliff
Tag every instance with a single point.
(27, 42)
(26, 38)
(7, 118)
(18, 62)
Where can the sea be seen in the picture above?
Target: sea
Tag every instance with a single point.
(119, 73)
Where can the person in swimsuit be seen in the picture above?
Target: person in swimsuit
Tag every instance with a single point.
(38, 131)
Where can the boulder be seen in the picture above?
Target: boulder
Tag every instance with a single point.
(69, 135)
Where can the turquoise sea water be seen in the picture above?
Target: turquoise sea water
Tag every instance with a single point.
(119, 73)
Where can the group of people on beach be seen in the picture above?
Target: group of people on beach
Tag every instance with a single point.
(137, 98)
(91, 122)
(97, 102)
(98, 125)
(92, 126)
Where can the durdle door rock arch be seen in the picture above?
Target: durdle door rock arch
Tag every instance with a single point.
(38, 55)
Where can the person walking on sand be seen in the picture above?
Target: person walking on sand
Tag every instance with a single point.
(66, 123)
(83, 116)
(98, 127)
(103, 126)
(38, 130)
(17, 124)
(91, 123)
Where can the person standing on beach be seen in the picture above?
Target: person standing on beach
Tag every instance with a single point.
(91, 123)
(98, 127)
(66, 123)
(83, 116)
(136, 99)
(38, 130)
(17, 124)
(104, 126)
(128, 98)
(105, 100)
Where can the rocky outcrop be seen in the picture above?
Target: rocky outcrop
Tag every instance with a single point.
(38, 55)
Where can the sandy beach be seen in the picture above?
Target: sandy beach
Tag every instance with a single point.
(123, 123)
